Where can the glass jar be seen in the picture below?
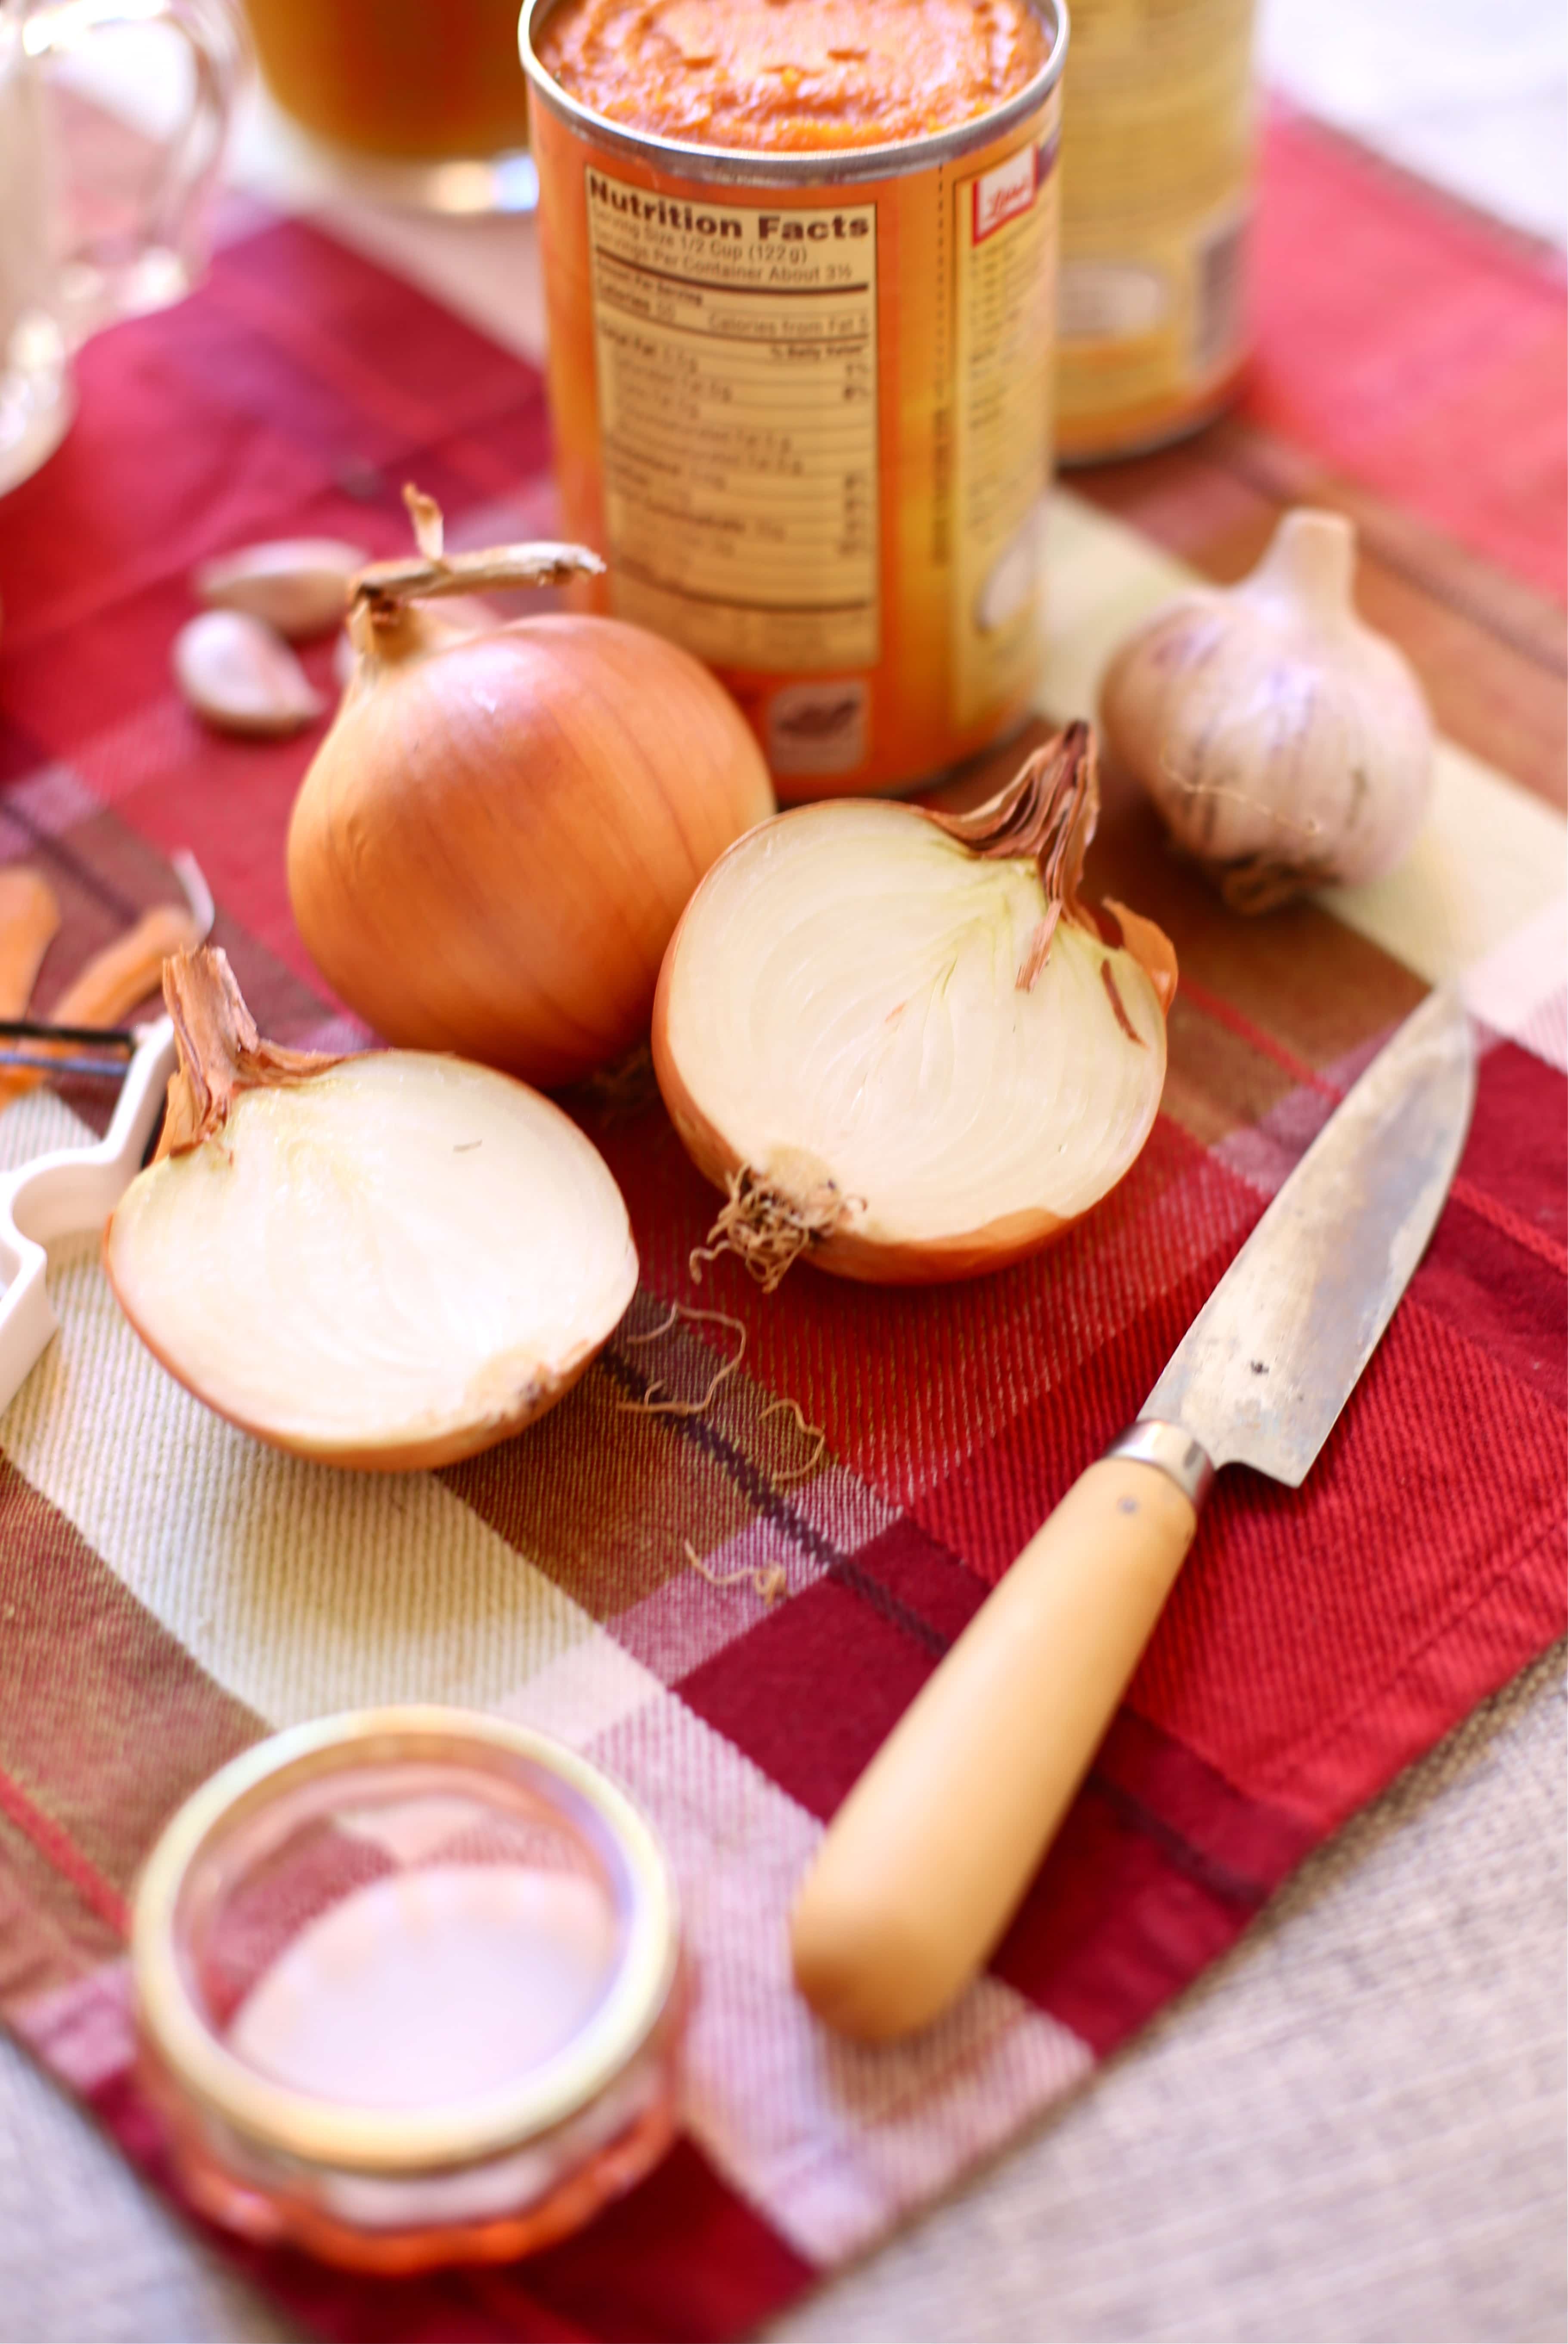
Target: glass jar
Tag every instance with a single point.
(409, 1990)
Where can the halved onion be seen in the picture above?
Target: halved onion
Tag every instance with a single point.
(391, 1260)
(897, 1039)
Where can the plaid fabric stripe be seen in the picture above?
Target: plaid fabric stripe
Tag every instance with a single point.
(1414, 346)
(169, 1591)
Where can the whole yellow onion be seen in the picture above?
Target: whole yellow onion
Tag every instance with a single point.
(505, 820)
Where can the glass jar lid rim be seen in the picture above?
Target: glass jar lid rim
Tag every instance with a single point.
(322, 2133)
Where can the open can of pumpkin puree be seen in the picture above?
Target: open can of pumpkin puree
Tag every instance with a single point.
(800, 263)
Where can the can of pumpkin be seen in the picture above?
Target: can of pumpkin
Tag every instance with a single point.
(802, 404)
(1157, 174)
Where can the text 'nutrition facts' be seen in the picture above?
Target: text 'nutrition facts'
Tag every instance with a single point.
(737, 361)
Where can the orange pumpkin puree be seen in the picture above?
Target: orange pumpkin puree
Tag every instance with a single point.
(782, 76)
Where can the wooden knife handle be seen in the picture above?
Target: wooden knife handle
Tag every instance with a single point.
(925, 1863)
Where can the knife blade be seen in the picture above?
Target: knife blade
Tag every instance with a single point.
(925, 1863)
(1270, 1360)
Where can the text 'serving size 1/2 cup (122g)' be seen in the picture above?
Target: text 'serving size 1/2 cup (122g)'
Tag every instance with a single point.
(801, 392)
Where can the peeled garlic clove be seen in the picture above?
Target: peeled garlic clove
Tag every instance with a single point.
(1286, 745)
(241, 677)
(392, 1260)
(298, 586)
(900, 1042)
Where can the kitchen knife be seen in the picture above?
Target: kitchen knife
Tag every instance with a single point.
(925, 1863)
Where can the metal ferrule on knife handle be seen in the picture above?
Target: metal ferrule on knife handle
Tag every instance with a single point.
(1172, 1451)
(926, 1862)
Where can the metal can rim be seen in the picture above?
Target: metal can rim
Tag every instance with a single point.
(833, 166)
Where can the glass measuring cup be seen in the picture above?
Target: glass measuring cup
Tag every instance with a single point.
(56, 292)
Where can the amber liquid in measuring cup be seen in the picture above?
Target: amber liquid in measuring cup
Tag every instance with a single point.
(405, 83)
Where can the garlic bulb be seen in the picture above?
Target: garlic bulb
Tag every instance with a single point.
(391, 1260)
(899, 1039)
(1284, 743)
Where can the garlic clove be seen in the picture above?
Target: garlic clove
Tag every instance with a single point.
(242, 678)
(1284, 743)
(298, 586)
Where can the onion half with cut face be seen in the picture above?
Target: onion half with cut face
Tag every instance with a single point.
(899, 1042)
(391, 1260)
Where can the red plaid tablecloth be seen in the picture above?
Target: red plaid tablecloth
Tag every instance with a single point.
(168, 1591)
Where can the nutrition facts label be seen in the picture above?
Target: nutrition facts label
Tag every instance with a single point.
(737, 363)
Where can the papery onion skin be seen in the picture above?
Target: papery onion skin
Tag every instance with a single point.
(857, 1246)
(497, 837)
(228, 1074)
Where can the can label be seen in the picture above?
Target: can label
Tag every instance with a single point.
(735, 355)
(1157, 178)
(808, 421)
(1004, 219)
